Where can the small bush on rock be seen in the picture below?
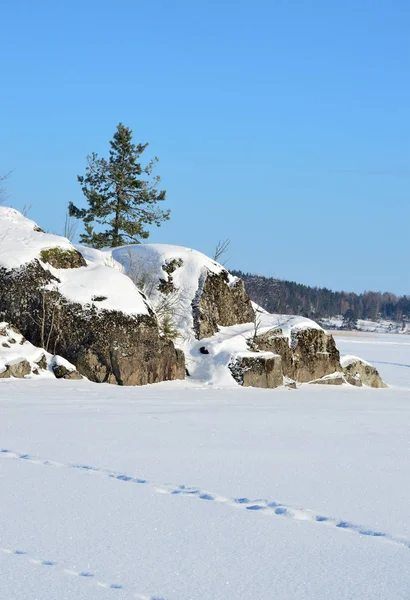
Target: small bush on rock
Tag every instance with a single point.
(167, 327)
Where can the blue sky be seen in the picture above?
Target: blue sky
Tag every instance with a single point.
(282, 125)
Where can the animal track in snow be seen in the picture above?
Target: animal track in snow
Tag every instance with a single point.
(268, 507)
(85, 574)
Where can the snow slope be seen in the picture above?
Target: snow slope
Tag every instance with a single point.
(21, 242)
(144, 262)
(181, 491)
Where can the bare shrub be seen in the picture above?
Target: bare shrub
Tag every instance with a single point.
(70, 227)
(3, 190)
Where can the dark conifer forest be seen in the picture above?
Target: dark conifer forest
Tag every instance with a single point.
(289, 297)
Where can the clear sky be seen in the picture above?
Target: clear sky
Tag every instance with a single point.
(283, 125)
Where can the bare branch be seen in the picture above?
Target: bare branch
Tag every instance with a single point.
(221, 249)
(26, 209)
(3, 191)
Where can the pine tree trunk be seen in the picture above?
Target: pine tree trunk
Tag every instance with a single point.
(115, 237)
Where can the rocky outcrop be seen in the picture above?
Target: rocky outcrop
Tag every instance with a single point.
(219, 303)
(104, 345)
(261, 370)
(358, 372)
(308, 355)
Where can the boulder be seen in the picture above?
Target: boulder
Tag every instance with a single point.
(333, 379)
(62, 372)
(73, 375)
(18, 368)
(358, 372)
(261, 370)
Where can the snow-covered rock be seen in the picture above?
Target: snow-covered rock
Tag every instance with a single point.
(62, 369)
(257, 369)
(308, 352)
(206, 303)
(197, 292)
(332, 379)
(19, 358)
(113, 312)
(77, 305)
(359, 372)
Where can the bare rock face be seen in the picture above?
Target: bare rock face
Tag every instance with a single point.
(261, 370)
(314, 354)
(274, 341)
(359, 372)
(104, 345)
(218, 303)
(310, 354)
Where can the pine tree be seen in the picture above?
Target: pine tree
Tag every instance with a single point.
(117, 197)
(349, 320)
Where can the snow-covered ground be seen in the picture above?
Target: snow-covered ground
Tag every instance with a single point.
(181, 491)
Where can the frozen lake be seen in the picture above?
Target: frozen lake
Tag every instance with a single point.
(182, 492)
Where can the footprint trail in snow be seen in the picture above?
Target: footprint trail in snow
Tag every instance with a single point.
(267, 507)
(86, 575)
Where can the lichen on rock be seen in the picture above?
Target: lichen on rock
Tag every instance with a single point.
(61, 258)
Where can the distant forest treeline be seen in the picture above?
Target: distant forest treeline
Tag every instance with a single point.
(288, 297)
